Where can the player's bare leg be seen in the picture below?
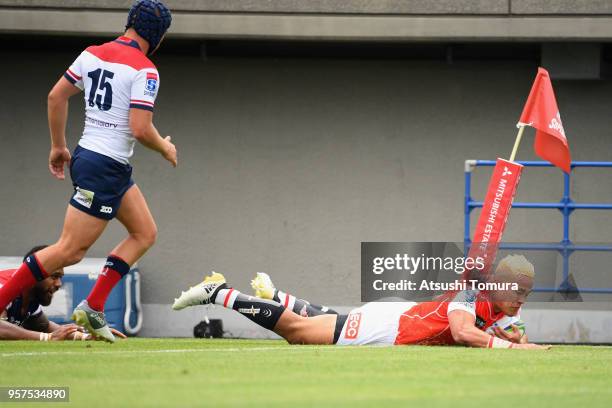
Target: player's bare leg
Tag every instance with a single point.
(266, 313)
(297, 329)
(135, 215)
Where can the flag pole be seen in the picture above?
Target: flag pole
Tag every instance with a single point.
(517, 142)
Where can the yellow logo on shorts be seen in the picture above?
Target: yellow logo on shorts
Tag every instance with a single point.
(84, 197)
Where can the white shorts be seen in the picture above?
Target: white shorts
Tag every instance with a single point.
(374, 323)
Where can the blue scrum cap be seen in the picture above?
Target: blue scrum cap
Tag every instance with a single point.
(150, 19)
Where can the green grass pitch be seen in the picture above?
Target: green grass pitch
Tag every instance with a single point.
(248, 373)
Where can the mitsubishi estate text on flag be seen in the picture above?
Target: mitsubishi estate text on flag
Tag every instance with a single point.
(541, 112)
(494, 215)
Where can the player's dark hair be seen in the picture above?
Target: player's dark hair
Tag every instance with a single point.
(33, 250)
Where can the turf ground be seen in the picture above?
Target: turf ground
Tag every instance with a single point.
(190, 372)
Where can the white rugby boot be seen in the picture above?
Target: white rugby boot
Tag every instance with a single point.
(202, 293)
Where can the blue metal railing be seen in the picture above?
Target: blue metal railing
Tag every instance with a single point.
(566, 206)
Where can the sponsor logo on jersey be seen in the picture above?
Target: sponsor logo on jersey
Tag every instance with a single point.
(83, 197)
(106, 210)
(352, 326)
(100, 123)
(151, 83)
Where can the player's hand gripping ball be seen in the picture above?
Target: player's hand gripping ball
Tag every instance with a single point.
(507, 324)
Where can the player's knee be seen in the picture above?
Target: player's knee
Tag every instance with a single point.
(150, 236)
(147, 237)
(72, 254)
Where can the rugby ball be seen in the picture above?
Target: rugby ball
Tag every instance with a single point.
(506, 323)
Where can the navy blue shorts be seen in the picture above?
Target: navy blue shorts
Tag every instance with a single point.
(99, 183)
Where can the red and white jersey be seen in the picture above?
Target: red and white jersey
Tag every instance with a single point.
(427, 323)
(115, 77)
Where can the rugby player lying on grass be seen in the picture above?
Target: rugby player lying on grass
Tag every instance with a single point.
(455, 318)
(24, 319)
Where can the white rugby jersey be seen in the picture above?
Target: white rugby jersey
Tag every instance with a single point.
(115, 77)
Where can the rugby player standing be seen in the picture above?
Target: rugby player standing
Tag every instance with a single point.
(120, 85)
(458, 318)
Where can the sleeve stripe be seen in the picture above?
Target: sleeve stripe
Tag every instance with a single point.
(69, 78)
(139, 106)
(141, 102)
(75, 76)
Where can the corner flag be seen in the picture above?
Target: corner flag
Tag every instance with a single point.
(542, 113)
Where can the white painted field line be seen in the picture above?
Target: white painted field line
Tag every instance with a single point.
(202, 350)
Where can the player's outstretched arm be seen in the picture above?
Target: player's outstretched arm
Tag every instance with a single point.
(141, 124)
(464, 331)
(41, 323)
(9, 331)
(57, 113)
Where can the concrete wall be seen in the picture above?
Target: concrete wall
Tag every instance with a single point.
(499, 7)
(415, 20)
(295, 6)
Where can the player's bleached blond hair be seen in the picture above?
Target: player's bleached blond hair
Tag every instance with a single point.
(516, 265)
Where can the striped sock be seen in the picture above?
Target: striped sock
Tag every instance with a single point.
(300, 306)
(114, 269)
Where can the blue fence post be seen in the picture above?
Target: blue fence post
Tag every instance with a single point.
(566, 200)
(469, 166)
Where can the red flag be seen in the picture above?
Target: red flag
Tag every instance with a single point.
(542, 113)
